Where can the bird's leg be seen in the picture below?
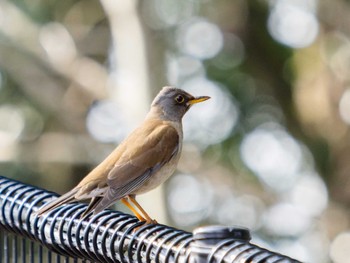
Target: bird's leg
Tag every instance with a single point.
(149, 220)
(136, 213)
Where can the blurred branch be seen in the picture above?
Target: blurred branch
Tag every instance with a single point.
(128, 58)
(30, 52)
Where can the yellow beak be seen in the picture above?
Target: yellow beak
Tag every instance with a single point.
(198, 99)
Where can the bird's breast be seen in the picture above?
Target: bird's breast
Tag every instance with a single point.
(167, 169)
(160, 176)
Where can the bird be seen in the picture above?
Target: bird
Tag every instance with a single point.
(145, 159)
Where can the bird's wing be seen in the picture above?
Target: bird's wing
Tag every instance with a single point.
(148, 153)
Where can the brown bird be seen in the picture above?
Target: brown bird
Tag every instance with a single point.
(144, 160)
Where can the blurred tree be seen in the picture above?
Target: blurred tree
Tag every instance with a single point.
(270, 151)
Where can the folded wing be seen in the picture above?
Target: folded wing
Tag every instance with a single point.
(150, 152)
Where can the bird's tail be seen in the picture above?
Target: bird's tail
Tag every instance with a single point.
(64, 199)
(93, 203)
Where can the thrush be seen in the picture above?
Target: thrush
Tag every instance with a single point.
(143, 161)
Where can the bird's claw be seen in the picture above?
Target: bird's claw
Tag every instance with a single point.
(145, 223)
(151, 222)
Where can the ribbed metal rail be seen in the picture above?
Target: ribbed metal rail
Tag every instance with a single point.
(110, 236)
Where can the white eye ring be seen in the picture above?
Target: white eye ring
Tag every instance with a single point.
(179, 99)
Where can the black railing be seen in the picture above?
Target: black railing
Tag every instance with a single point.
(110, 236)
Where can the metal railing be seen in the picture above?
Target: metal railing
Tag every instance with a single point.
(110, 236)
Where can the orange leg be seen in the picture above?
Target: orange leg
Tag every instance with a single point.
(136, 213)
(149, 220)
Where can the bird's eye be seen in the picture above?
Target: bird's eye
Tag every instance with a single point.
(179, 99)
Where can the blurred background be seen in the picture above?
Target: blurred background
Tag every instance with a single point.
(270, 151)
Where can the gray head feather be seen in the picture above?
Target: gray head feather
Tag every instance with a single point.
(172, 103)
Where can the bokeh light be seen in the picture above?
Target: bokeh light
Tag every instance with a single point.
(181, 68)
(189, 199)
(273, 155)
(105, 123)
(286, 219)
(213, 122)
(160, 14)
(340, 248)
(310, 194)
(344, 106)
(200, 38)
(242, 210)
(11, 122)
(293, 23)
(232, 53)
(34, 124)
(292, 248)
(11, 126)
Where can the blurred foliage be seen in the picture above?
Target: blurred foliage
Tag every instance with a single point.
(271, 149)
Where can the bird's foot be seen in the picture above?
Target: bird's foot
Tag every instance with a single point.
(151, 221)
(145, 223)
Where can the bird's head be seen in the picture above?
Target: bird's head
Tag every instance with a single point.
(172, 103)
